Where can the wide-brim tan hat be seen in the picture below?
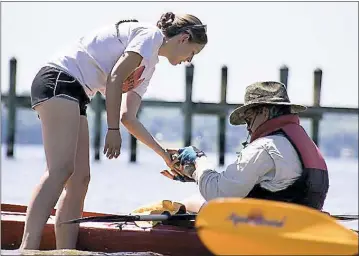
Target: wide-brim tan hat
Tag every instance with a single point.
(263, 93)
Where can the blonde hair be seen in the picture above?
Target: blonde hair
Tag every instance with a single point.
(172, 25)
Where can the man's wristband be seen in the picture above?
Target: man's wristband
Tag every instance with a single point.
(113, 129)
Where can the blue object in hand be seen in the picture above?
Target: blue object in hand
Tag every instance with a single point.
(188, 155)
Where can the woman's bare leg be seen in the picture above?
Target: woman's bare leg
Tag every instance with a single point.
(60, 120)
(71, 202)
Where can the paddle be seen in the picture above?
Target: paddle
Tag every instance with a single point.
(131, 218)
(160, 217)
(251, 226)
(345, 217)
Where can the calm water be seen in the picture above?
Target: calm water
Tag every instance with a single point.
(118, 186)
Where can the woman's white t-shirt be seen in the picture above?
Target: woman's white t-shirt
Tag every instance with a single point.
(92, 58)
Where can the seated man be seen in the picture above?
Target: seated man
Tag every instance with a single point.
(281, 162)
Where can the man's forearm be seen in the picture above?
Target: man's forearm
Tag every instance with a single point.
(229, 183)
(206, 178)
(202, 164)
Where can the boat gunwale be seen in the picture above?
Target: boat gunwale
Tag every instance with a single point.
(163, 239)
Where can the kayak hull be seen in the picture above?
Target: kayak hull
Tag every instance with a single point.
(105, 237)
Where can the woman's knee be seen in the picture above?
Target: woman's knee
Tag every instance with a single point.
(63, 169)
(82, 166)
(81, 178)
(86, 180)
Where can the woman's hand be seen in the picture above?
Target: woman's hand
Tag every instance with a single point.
(113, 143)
(170, 157)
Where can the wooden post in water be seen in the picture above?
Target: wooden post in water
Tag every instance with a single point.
(97, 101)
(317, 91)
(133, 149)
(222, 117)
(11, 125)
(284, 75)
(187, 106)
(133, 143)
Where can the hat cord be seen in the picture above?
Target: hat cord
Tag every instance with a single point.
(245, 144)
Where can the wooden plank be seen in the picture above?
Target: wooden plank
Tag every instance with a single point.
(23, 101)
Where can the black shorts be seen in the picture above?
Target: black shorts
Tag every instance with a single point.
(51, 82)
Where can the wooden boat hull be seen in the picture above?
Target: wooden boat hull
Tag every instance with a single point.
(105, 237)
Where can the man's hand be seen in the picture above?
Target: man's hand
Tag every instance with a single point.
(171, 159)
(188, 155)
(173, 175)
(184, 167)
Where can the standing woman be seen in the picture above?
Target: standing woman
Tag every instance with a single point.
(118, 61)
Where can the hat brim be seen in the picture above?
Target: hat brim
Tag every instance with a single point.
(237, 116)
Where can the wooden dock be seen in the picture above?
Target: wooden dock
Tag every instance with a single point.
(188, 107)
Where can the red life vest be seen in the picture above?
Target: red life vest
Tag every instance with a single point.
(311, 188)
